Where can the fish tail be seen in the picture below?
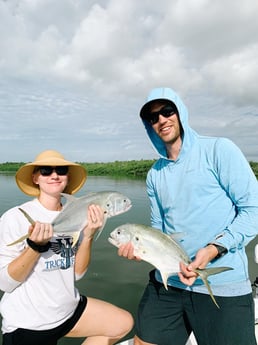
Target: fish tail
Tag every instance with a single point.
(32, 222)
(205, 273)
(18, 241)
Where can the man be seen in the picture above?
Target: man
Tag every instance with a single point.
(203, 187)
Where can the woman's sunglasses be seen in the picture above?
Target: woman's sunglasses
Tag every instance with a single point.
(48, 170)
(166, 111)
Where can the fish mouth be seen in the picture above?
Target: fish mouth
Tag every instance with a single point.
(113, 241)
(128, 206)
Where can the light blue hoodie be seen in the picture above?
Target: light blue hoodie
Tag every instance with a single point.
(210, 194)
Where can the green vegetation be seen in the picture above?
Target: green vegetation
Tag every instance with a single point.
(118, 168)
(254, 166)
(10, 167)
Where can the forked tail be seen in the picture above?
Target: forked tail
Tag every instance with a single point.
(205, 273)
(32, 222)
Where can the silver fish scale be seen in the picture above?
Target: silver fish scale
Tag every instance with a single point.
(155, 247)
(160, 250)
(73, 218)
(74, 215)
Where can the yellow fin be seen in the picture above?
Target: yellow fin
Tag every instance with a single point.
(19, 240)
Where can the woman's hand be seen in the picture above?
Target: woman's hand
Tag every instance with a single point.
(41, 233)
(95, 221)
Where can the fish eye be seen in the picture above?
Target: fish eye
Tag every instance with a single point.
(119, 232)
(137, 238)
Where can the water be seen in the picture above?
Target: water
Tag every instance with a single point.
(109, 277)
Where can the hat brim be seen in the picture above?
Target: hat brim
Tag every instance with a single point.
(77, 176)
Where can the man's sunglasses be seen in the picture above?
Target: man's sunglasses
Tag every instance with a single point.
(48, 170)
(167, 111)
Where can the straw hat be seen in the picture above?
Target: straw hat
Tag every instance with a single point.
(77, 173)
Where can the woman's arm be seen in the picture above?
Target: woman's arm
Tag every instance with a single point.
(83, 255)
(21, 267)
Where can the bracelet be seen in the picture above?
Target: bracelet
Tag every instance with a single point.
(38, 248)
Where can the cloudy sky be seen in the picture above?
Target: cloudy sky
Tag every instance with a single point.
(74, 73)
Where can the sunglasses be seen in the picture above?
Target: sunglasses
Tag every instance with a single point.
(48, 170)
(166, 111)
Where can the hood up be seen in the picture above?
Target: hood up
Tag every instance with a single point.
(187, 135)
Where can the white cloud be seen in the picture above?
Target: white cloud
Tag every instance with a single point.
(235, 76)
(74, 73)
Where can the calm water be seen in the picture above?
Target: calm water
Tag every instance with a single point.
(109, 277)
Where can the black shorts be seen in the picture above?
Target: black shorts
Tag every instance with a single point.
(23, 336)
(167, 317)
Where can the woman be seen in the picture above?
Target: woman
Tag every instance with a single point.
(41, 304)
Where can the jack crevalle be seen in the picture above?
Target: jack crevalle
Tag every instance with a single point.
(73, 218)
(160, 250)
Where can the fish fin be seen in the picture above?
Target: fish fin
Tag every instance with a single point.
(206, 272)
(101, 229)
(177, 236)
(75, 237)
(164, 277)
(19, 240)
(69, 199)
(68, 196)
(32, 222)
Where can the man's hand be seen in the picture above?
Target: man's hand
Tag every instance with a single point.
(203, 257)
(127, 251)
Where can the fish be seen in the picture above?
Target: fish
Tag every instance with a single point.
(160, 250)
(73, 218)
